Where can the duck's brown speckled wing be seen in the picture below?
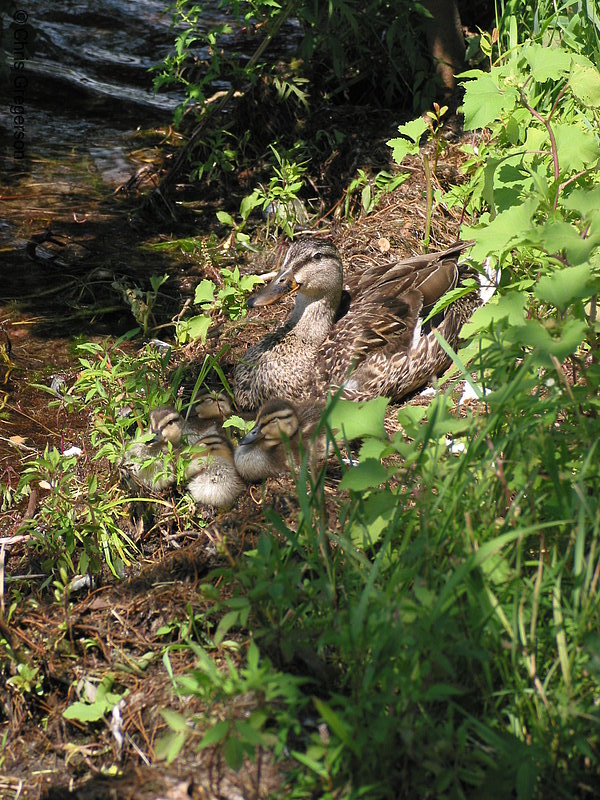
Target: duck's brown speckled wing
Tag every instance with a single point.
(377, 341)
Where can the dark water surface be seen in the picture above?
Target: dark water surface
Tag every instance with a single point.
(77, 86)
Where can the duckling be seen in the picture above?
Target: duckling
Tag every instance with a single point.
(211, 409)
(213, 478)
(276, 437)
(368, 341)
(151, 464)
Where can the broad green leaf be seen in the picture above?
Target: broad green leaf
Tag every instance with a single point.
(86, 712)
(225, 218)
(205, 292)
(565, 285)
(215, 734)
(577, 147)
(249, 203)
(234, 753)
(197, 327)
(536, 335)
(547, 63)
(372, 448)
(378, 511)
(584, 82)
(169, 745)
(408, 142)
(556, 237)
(484, 102)
(410, 417)
(585, 202)
(350, 420)
(366, 475)
(508, 229)
(177, 722)
(509, 306)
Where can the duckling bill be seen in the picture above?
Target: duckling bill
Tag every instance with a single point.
(276, 441)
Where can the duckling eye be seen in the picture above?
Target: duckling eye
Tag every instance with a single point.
(318, 256)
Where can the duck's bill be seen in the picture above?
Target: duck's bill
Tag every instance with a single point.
(280, 286)
(252, 436)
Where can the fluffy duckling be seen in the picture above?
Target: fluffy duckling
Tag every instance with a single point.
(211, 410)
(277, 436)
(214, 479)
(152, 464)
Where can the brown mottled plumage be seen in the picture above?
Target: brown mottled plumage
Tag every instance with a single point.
(152, 464)
(214, 480)
(275, 442)
(368, 341)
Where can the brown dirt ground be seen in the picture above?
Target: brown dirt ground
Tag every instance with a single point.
(116, 624)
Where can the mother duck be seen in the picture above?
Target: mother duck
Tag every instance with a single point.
(367, 340)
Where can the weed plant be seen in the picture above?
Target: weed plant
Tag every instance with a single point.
(446, 627)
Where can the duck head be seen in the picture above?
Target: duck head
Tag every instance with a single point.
(276, 421)
(312, 268)
(213, 405)
(167, 425)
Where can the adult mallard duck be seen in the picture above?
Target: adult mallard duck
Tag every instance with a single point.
(367, 340)
(281, 430)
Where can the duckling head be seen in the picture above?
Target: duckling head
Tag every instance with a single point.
(312, 268)
(214, 445)
(167, 425)
(276, 421)
(213, 405)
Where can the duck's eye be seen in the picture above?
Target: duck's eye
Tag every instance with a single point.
(318, 256)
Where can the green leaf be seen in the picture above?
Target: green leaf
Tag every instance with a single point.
(527, 778)
(248, 734)
(227, 622)
(584, 82)
(451, 296)
(565, 285)
(378, 512)
(485, 102)
(408, 142)
(577, 147)
(510, 306)
(583, 201)
(547, 63)
(215, 734)
(86, 712)
(177, 722)
(508, 229)
(554, 237)
(249, 203)
(234, 753)
(205, 292)
(537, 336)
(225, 218)
(169, 745)
(197, 327)
(352, 420)
(366, 475)
(341, 728)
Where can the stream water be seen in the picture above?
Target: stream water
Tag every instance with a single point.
(80, 118)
